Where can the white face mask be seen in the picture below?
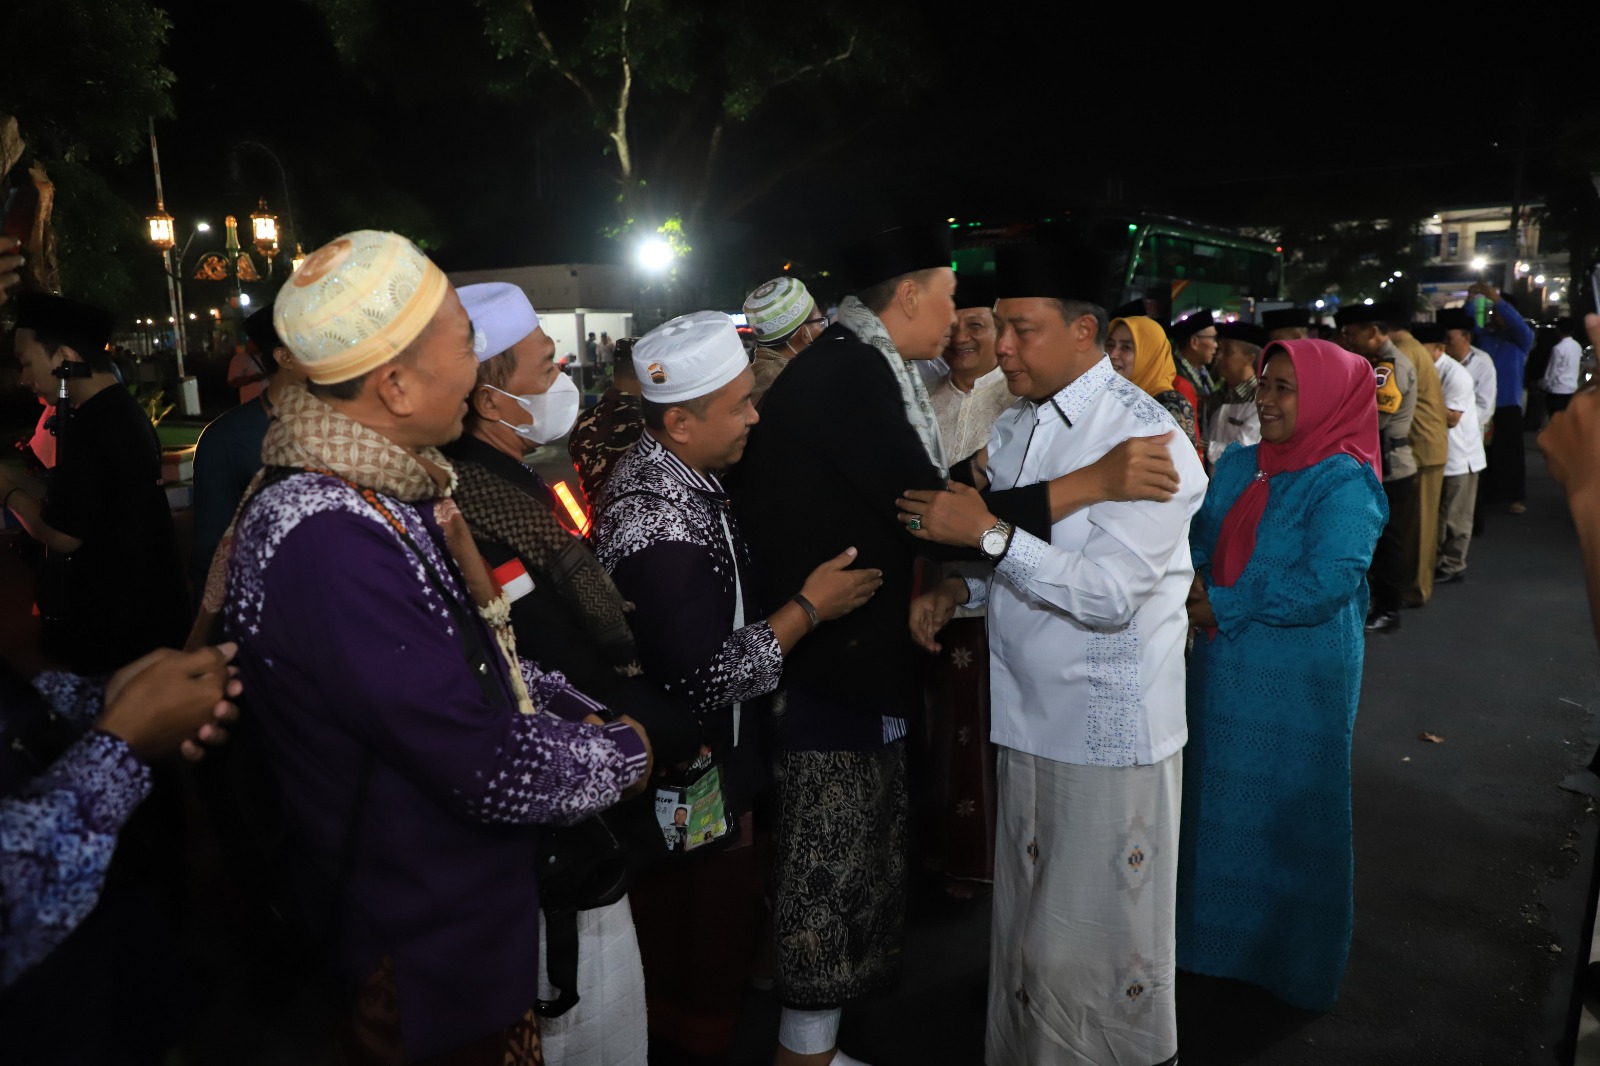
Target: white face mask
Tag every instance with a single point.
(553, 411)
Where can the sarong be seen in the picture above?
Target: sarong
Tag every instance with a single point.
(956, 808)
(1082, 954)
(696, 922)
(839, 874)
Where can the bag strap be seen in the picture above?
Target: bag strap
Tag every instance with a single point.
(560, 961)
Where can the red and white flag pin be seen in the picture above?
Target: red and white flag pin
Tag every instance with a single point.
(513, 579)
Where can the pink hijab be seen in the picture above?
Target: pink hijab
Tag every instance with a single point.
(1338, 415)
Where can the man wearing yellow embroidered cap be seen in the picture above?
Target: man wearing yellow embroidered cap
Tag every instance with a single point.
(784, 317)
(382, 336)
(416, 752)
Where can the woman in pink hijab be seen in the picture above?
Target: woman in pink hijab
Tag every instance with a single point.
(1281, 549)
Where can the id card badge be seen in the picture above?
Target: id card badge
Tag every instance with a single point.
(708, 814)
(672, 815)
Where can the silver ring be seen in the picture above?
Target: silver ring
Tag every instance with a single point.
(915, 523)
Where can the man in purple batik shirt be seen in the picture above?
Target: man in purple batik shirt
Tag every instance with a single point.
(414, 762)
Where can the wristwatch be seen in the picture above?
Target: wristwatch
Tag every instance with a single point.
(996, 541)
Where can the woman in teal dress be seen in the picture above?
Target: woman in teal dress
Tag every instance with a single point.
(1281, 549)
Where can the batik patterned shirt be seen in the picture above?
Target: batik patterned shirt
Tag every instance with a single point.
(672, 545)
(352, 657)
(58, 833)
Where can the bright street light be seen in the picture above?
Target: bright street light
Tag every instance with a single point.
(1367, 301)
(1538, 279)
(202, 227)
(655, 255)
(244, 299)
(1479, 262)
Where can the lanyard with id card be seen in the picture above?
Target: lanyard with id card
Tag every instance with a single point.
(693, 812)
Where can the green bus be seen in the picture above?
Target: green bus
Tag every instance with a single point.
(1178, 264)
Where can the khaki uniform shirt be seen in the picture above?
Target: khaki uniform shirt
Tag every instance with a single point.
(1430, 430)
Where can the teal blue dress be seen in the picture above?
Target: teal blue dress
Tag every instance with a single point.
(1265, 859)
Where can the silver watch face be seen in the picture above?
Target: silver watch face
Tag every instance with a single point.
(993, 543)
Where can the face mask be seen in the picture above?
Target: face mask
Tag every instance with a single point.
(553, 412)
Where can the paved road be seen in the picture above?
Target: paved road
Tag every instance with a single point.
(1467, 853)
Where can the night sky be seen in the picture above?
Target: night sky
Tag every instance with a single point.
(1011, 116)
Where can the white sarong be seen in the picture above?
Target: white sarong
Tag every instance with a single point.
(607, 1026)
(1082, 954)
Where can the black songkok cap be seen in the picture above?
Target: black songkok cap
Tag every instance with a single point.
(258, 327)
(894, 252)
(1248, 332)
(81, 327)
(1361, 314)
(1188, 327)
(1286, 318)
(1455, 318)
(1131, 309)
(974, 290)
(1427, 332)
(1050, 271)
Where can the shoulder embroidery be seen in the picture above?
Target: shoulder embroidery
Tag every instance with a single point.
(1138, 402)
(279, 509)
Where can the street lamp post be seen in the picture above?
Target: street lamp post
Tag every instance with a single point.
(200, 227)
(163, 236)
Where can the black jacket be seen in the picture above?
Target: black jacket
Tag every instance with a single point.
(821, 473)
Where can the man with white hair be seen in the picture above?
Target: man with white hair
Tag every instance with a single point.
(414, 752)
(845, 429)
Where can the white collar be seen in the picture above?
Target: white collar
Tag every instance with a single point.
(1071, 402)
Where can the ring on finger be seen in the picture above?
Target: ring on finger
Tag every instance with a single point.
(915, 523)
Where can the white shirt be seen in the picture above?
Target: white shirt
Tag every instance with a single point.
(1087, 631)
(1465, 455)
(1561, 376)
(1486, 384)
(1233, 423)
(966, 417)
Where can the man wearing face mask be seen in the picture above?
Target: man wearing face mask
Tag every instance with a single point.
(568, 616)
(785, 320)
(565, 609)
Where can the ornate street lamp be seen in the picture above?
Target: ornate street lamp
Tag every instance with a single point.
(163, 229)
(264, 231)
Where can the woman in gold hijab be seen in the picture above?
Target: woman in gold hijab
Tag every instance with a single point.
(1140, 352)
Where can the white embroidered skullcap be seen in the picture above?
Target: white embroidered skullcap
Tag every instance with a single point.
(501, 316)
(777, 308)
(689, 357)
(355, 303)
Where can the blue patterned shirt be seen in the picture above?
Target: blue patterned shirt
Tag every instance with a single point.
(58, 833)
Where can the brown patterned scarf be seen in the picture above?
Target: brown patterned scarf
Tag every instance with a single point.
(498, 510)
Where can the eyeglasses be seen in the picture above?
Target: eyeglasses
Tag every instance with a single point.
(822, 322)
